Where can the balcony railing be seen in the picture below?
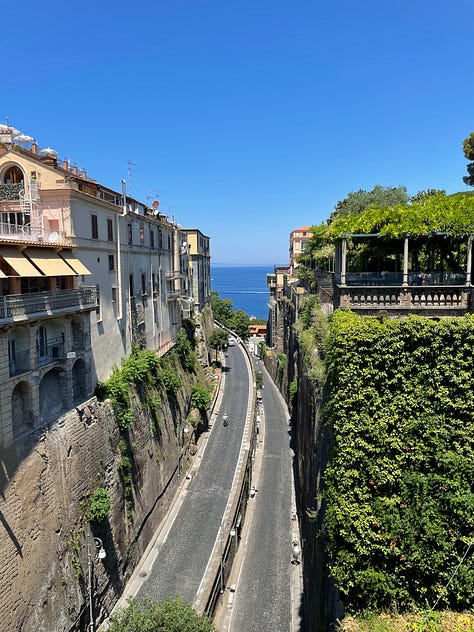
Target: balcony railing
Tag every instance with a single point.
(52, 351)
(415, 298)
(25, 306)
(396, 278)
(20, 363)
(10, 191)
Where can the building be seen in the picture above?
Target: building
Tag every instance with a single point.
(299, 237)
(200, 263)
(86, 272)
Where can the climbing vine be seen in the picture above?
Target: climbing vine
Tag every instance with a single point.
(400, 479)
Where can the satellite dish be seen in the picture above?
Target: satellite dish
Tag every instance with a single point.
(54, 236)
(155, 204)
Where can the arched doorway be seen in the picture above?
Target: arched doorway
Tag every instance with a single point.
(22, 409)
(79, 381)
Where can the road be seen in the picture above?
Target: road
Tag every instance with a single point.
(182, 554)
(263, 596)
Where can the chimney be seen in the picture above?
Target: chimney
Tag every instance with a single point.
(74, 170)
(84, 174)
(65, 164)
(34, 148)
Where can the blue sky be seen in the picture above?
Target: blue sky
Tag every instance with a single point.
(246, 119)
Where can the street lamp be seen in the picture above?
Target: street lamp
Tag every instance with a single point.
(98, 553)
(181, 442)
(221, 568)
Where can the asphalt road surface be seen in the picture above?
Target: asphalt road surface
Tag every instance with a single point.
(183, 555)
(262, 600)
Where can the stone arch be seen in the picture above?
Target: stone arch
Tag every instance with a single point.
(22, 409)
(79, 381)
(52, 395)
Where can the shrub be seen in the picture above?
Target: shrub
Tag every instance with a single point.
(100, 506)
(170, 380)
(200, 397)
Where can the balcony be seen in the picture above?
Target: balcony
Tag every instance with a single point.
(20, 363)
(21, 307)
(52, 352)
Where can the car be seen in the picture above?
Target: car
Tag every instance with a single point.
(231, 342)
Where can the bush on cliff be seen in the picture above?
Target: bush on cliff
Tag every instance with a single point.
(400, 479)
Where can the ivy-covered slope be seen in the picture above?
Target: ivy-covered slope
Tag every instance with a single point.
(399, 483)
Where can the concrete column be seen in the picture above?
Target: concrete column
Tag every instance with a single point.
(469, 260)
(405, 262)
(343, 261)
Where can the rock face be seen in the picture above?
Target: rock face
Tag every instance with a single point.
(46, 485)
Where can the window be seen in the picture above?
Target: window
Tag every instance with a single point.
(114, 294)
(13, 175)
(98, 310)
(110, 230)
(152, 238)
(130, 285)
(94, 227)
(111, 262)
(143, 284)
(154, 285)
(142, 235)
(130, 233)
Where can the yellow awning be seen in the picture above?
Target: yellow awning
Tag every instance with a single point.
(49, 262)
(77, 265)
(3, 275)
(19, 263)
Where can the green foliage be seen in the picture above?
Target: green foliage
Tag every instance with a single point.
(154, 406)
(200, 396)
(170, 615)
(282, 361)
(312, 328)
(293, 389)
(125, 472)
(221, 308)
(218, 339)
(400, 478)
(170, 380)
(258, 379)
(100, 506)
(358, 201)
(239, 323)
(468, 149)
(453, 214)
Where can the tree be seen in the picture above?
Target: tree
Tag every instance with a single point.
(468, 149)
(240, 324)
(218, 339)
(169, 615)
(221, 308)
(358, 201)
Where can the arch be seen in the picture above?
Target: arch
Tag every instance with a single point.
(79, 381)
(12, 174)
(19, 351)
(52, 395)
(49, 341)
(22, 409)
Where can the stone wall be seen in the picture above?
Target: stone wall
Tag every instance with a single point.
(46, 485)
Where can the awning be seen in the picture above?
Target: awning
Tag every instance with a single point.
(77, 265)
(3, 275)
(49, 262)
(19, 263)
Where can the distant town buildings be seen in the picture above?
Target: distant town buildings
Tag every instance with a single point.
(299, 237)
(85, 273)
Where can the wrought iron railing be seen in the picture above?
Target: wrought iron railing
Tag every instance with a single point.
(10, 191)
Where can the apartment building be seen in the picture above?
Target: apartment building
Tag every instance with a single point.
(299, 237)
(200, 264)
(85, 272)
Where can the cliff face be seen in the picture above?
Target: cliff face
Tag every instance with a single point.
(46, 486)
(311, 442)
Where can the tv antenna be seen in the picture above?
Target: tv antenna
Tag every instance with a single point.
(129, 173)
(152, 194)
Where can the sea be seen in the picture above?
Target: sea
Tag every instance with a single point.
(245, 285)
